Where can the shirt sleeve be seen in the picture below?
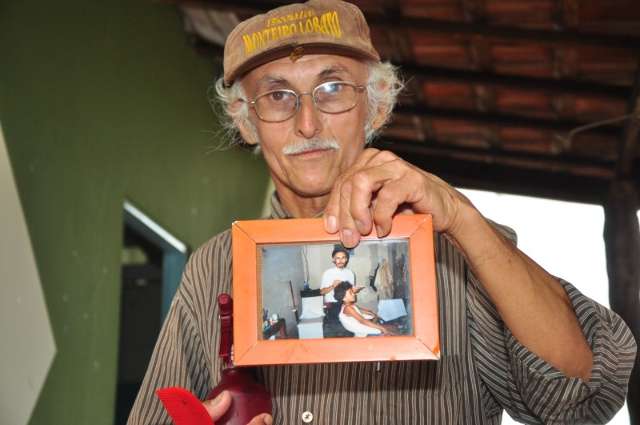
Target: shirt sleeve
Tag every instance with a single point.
(533, 391)
(179, 357)
(327, 279)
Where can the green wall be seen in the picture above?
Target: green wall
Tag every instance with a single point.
(100, 101)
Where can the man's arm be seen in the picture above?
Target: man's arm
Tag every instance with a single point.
(531, 302)
(523, 383)
(330, 287)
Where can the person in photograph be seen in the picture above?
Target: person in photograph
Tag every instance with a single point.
(304, 84)
(332, 277)
(356, 319)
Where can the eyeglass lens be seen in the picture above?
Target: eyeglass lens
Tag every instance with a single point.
(331, 97)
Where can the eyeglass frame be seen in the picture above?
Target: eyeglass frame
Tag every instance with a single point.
(358, 89)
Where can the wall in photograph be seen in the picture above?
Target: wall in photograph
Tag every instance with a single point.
(281, 265)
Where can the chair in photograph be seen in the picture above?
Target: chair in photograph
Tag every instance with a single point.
(311, 318)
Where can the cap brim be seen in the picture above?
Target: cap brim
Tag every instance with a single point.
(307, 49)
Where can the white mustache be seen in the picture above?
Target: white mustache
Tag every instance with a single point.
(310, 145)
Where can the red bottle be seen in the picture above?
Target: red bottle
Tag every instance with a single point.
(250, 398)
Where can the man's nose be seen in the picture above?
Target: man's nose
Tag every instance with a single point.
(307, 120)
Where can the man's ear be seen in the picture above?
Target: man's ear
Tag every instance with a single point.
(381, 115)
(245, 127)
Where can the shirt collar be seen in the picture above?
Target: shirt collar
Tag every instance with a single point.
(278, 210)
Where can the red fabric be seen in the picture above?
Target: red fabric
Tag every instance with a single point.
(183, 407)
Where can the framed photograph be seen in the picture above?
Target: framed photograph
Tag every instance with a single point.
(301, 297)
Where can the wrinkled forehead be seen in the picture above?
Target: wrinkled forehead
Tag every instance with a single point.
(305, 73)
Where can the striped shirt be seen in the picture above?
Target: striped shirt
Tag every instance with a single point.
(483, 369)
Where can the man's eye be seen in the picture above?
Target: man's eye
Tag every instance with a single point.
(279, 96)
(332, 88)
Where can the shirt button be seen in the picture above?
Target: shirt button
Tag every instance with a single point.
(307, 417)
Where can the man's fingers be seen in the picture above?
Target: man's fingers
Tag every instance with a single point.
(382, 157)
(263, 419)
(218, 406)
(365, 184)
(352, 214)
(332, 210)
(389, 198)
(357, 193)
(348, 232)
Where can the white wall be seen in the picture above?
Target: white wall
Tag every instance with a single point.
(27, 346)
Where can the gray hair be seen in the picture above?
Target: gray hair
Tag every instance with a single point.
(383, 87)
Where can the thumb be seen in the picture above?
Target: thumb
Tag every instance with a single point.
(218, 406)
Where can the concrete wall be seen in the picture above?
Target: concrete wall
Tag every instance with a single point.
(281, 265)
(102, 101)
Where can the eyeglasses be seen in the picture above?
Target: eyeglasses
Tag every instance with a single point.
(332, 97)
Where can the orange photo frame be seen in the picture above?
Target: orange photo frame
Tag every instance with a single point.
(251, 350)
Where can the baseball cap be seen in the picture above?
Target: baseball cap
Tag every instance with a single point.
(317, 26)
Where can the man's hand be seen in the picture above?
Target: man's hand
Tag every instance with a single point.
(219, 406)
(530, 301)
(388, 331)
(378, 186)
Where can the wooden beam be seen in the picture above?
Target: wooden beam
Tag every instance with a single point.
(570, 37)
(482, 173)
(413, 72)
(567, 37)
(543, 163)
(403, 48)
(503, 120)
(631, 135)
(622, 242)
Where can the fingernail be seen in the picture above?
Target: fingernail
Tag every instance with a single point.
(379, 231)
(332, 224)
(268, 420)
(347, 234)
(360, 225)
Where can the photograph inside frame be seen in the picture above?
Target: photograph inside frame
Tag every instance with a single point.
(323, 290)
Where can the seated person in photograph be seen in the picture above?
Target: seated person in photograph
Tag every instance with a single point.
(359, 320)
(332, 278)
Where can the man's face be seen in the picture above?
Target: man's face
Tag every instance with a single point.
(311, 172)
(340, 260)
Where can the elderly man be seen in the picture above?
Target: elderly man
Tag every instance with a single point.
(304, 83)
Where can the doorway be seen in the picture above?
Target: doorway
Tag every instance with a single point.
(151, 268)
